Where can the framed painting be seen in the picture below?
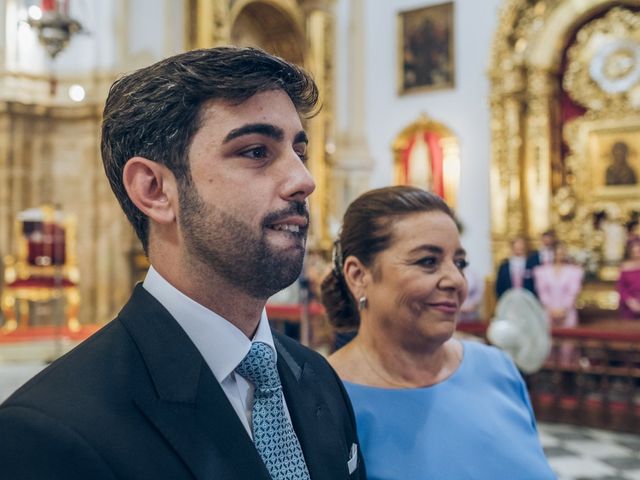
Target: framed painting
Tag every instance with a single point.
(615, 163)
(426, 49)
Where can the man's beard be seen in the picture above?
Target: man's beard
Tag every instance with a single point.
(234, 251)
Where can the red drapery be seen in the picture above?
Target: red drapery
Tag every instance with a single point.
(432, 140)
(435, 150)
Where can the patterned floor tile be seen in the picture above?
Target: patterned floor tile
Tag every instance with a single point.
(597, 449)
(557, 452)
(575, 467)
(623, 463)
(632, 474)
(579, 453)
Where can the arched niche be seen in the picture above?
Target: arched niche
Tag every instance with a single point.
(426, 155)
(272, 27)
(542, 153)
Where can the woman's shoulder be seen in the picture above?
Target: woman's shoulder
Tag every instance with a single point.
(483, 356)
(574, 268)
(479, 349)
(541, 270)
(477, 353)
(629, 267)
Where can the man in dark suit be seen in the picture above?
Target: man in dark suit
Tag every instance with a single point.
(512, 270)
(542, 256)
(205, 152)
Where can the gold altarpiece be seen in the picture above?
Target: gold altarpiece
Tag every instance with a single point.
(49, 155)
(301, 31)
(550, 173)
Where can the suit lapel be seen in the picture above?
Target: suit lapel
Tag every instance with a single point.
(312, 420)
(187, 405)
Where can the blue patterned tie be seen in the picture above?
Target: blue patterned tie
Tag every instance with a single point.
(273, 433)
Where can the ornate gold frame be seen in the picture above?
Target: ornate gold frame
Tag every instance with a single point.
(400, 73)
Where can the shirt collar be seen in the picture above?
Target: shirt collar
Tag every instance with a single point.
(517, 261)
(221, 343)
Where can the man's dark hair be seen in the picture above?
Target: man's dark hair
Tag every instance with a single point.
(155, 112)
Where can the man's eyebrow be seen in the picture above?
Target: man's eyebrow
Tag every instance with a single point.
(260, 128)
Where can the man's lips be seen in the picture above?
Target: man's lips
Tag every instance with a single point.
(294, 224)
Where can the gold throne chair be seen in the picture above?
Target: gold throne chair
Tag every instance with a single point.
(43, 272)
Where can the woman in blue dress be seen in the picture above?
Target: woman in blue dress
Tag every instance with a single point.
(428, 406)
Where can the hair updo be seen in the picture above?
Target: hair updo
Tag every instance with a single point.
(366, 231)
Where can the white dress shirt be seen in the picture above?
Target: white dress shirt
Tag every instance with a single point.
(517, 267)
(222, 344)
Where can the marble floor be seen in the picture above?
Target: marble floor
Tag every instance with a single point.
(579, 453)
(575, 453)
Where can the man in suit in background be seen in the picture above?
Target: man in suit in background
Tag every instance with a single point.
(542, 256)
(511, 272)
(205, 152)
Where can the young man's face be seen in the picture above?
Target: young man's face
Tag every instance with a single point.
(519, 247)
(245, 216)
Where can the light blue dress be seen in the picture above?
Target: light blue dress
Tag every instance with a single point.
(477, 424)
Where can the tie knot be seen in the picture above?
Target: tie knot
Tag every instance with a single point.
(259, 367)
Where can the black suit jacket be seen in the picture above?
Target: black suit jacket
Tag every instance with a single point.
(137, 401)
(503, 279)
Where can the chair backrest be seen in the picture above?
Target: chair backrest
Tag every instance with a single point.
(45, 245)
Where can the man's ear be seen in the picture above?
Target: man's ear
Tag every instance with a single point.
(152, 188)
(356, 275)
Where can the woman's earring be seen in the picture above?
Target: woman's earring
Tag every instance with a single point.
(362, 303)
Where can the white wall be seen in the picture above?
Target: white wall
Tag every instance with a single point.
(464, 109)
(117, 34)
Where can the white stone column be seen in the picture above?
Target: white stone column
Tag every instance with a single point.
(353, 163)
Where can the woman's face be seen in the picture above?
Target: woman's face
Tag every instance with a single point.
(634, 251)
(417, 286)
(561, 253)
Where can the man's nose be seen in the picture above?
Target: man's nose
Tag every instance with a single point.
(299, 183)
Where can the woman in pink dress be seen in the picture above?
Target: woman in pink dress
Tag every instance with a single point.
(558, 285)
(629, 281)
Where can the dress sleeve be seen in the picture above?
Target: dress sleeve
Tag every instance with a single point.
(573, 287)
(521, 388)
(542, 286)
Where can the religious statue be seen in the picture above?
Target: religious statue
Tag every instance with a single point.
(614, 240)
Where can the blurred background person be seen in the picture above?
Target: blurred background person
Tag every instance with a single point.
(629, 281)
(542, 256)
(558, 285)
(512, 270)
(470, 310)
(427, 405)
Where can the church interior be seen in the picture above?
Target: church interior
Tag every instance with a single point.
(524, 115)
